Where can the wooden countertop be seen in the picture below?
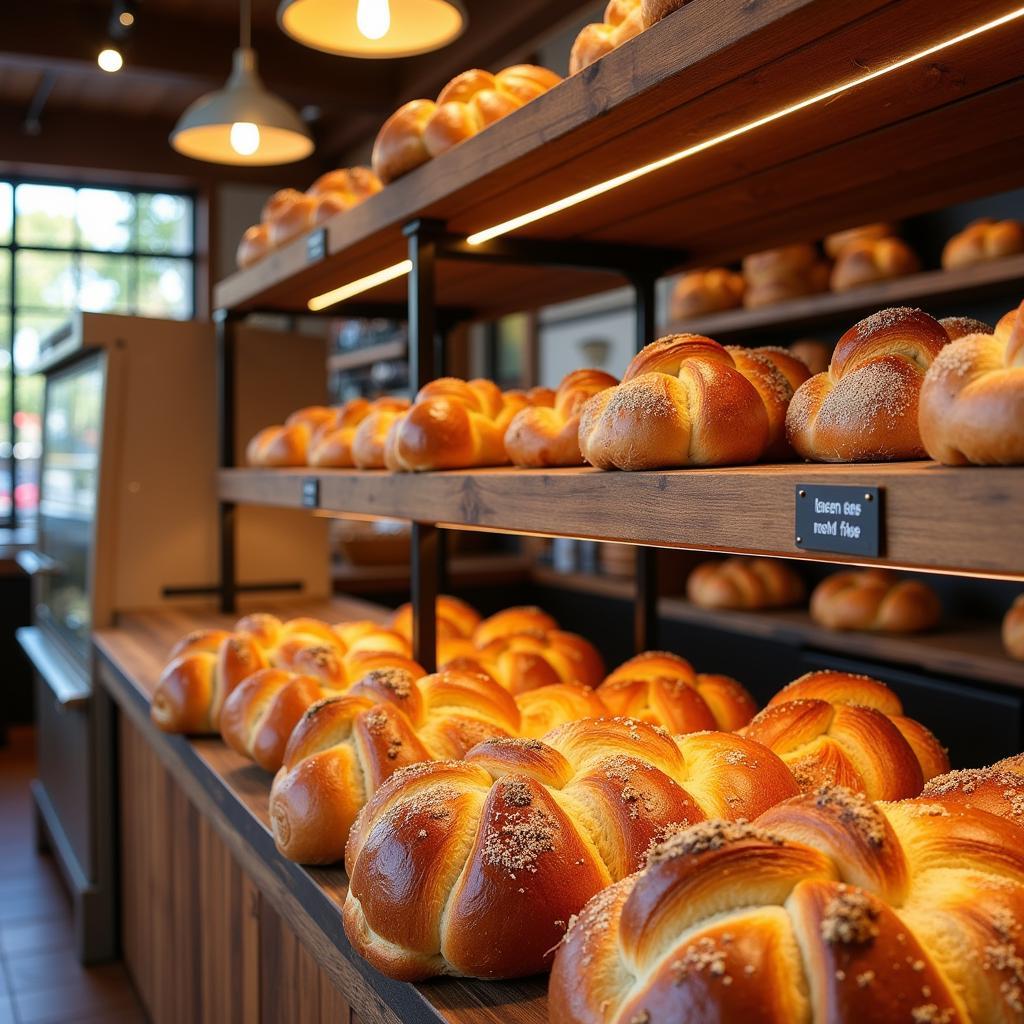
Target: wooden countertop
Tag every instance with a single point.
(232, 793)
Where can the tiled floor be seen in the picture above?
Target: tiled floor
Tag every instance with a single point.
(41, 982)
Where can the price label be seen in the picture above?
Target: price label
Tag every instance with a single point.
(316, 246)
(840, 520)
(311, 492)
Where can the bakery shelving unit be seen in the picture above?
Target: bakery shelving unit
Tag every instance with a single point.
(886, 148)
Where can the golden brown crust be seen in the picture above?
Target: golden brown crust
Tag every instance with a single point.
(369, 441)
(486, 860)
(826, 907)
(835, 243)
(700, 292)
(511, 621)
(867, 260)
(865, 408)
(547, 707)
(745, 583)
(455, 618)
(655, 10)
(983, 239)
(875, 600)
(1013, 629)
(972, 399)
(623, 19)
(788, 272)
(253, 246)
(548, 435)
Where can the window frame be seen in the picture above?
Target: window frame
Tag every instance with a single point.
(9, 304)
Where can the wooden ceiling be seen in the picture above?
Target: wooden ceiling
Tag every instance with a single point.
(180, 49)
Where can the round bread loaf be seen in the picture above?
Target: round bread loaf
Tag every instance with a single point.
(623, 19)
(835, 243)
(700, 292)
(982, 240)
(744, 583)
(875, 600)
(254, 245)
(868, 260)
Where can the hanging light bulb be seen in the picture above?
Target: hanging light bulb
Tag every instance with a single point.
(373, 28)
(110, 60)
(373, 18)
(245, 138)
(242, 123)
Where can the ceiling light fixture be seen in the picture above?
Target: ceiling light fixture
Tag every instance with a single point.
(243, 123)
(479, 237)
(110, 60)
(373, 28)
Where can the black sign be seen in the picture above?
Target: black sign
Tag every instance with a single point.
(311, 492)
(316, 246)
(842, 520)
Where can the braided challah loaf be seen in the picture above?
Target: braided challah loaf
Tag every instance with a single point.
(369, 441)
(998, 789)
(982, 240)
(700, 292)
(288, 445)
(835, 243)
(345, 746)
(455, 618)
(547, 707)
(422, 129)
(875, 600)
(453, 424)
(663, 689)
(867, 260)
(541, 436)
(512, 621)
(865, 407)
(687, 401)
(789, 272)
(972, 399)
(623, 19)
(827, 909)
(331, 445)
(475, 867)
(744, 583)
(847, 730)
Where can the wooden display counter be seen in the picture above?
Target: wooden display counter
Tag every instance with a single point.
(218, 927)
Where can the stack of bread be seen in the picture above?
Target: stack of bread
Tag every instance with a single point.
(867, 254)
(789, 272)
(422, 129)
(290, 213)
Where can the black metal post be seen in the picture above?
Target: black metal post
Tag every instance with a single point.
(427, 550)
(645, 607)
(225, 327)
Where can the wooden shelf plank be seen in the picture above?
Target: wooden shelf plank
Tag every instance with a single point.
(937, 518)
(357, 358)
(965, 650)
(945, 288)
(232, 793)
(890, 147)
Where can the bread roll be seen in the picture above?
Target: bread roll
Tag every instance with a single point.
(1013, 629)
(875, 600)
(254, 245)
(370, 438)
(455, 618)
(476, 867)
(744, 583)
(687, 401)
(453, 424)
(354, 183)
(346, 746)
(663, 689)
(982, 240)
(706, 291)
(869, 260)
(511, 622)
(541, 436)
(623, 19)
(655, 10)
(834, 728)
(997, 789)
(972, 399)
(291, 215)
(957, 327)
(288, 445)
(838, 241)
(788, 272)
(331, 444)
(827, 907)
(865, 408)
(422, 129)
(547, 707)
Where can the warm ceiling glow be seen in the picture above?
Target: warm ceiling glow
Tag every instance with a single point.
(623, 179)
(110, 60)
(373, 18)
(364, 284)
(126, 18)
(244, 138)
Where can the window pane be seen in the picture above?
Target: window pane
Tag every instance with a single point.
(5, 278)
(28, 443)
(45, 215)
(46, 279)
(165, 288)
(29, 331)
(104, 283)
(6, 196)
(5, 362)
(165, 224)
(105, 219)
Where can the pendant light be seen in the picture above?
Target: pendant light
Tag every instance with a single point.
(373, 28)
(242, 123)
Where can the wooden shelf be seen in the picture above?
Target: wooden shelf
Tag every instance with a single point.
(937, 518)
(934, 289)
(232, 793)
(895, 146)
(339, 362)
(965, 650)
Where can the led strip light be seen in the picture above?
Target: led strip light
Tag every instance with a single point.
(497, 230)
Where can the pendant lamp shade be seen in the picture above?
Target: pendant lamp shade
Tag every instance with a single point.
(373, 28)
(242, 123)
